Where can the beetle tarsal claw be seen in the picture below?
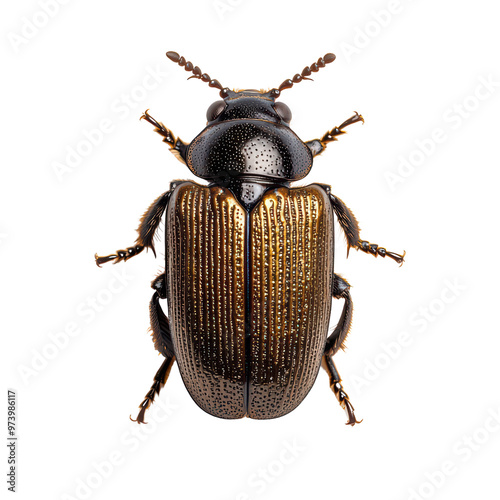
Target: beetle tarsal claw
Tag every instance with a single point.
(399, 259)
(345, 403)
(349, 409)
(402, 258)
(140, 416)
(357, 117)
(103, 260)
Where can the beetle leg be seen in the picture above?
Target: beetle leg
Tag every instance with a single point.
(163, 343)
(338, 390)
(351, 230)
(374, 249)
(160, 326)
(119, 255)
(147, 229)
(177, 146)
(317, 146)
(337, 338)
(159, 381)
(347, 220)
(335, 342)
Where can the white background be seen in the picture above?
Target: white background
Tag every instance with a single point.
(409, 67)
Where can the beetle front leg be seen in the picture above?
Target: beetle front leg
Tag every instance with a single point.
(317, 146)
(177, 147)
(147, 228)
(351, 230)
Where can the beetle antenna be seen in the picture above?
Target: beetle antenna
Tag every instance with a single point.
(308, 70)
(188, 66)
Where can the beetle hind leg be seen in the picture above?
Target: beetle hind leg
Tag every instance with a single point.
(159, 381)
(338, 390)
(162, 339)
(160, 325)
(335, 342)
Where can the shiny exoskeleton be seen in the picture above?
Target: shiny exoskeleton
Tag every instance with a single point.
(249, 272)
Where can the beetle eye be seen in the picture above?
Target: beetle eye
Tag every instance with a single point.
(215, 110)
(283, 111)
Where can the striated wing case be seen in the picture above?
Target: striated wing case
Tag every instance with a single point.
(291, 256)
(249, 296)
(206, 295)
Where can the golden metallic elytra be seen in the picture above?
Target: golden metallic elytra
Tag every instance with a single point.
(291, 270)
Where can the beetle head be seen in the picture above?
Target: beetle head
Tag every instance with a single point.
(248, 133)
(249, 104)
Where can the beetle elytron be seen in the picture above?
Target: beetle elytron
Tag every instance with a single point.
(249, 260)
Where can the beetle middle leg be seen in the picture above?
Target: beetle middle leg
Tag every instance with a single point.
(147, 229)
(163, 343)
(351, 230)
(335, 342)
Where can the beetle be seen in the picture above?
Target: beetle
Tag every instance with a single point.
(249, 272)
